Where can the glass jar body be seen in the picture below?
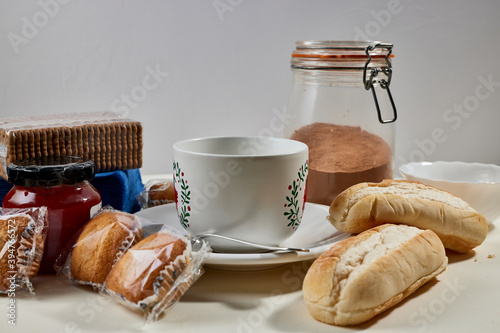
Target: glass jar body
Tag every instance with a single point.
(69, 207)
(331, 111)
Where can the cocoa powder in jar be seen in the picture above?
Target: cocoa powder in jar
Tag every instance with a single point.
(341, 156)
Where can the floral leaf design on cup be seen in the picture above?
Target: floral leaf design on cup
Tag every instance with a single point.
(294, 211)
(182, 201)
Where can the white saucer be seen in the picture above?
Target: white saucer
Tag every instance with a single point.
(314, 233)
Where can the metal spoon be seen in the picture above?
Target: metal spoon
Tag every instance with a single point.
(260, 246)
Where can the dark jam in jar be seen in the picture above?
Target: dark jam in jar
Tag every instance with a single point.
(61, 183)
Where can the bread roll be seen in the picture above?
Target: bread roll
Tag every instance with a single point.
(102, 241)
(21, 249)
(367, 205)
(138, 274)
(361, 276)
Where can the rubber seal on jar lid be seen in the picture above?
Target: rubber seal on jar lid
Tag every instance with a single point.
(50, 171)
(328, 49)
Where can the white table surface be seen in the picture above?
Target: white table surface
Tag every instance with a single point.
(465, 298)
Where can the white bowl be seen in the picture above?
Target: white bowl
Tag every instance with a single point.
(476, 183)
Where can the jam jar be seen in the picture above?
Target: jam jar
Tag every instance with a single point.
(60, 183)
(341, 106)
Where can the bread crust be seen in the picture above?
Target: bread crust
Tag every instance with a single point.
(100, 244)
(339, 297)
(458, 225)
(134, 275)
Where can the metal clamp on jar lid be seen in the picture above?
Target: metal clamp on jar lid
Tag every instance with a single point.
(371, 57)
(50, 171)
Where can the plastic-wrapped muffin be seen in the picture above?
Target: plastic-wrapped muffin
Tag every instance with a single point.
(22, 237)
(101, 242)
(153, 274)
(157, 192)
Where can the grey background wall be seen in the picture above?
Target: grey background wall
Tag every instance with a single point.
(221, 67)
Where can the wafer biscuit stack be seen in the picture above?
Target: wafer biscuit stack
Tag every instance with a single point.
(111, 141)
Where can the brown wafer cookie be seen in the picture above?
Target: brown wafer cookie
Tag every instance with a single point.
(134, 145)
(140, 145)
(99, 137)
(33, 142)
(112, 142)
(62, 146)
(18, 144)
(37, 143)
(73, 143)
(104, 144)
(118, 146)
(64, 137)
(54, 141)
(123, 145)
(25, 143)
(138, 141)
(130, 146)
(84, 142)
(107, 143)
(44, 147)
(98, 133)
(94, 137)
(28, 146)
(11, 147)
(78, 143)
(91, 142)
(70, 141)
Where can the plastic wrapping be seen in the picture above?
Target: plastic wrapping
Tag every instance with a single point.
(22, 237)
(88, 258)
(152, 276)
(141, 264)
(111, 141)
(157, 192)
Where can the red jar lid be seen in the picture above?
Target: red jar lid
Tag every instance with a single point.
(50, 171)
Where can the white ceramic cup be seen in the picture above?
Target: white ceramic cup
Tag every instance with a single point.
(251, 188)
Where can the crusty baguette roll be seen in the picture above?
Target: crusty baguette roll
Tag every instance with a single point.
(361, 276)
(367, 205)
(102, 241)
(140, 273)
